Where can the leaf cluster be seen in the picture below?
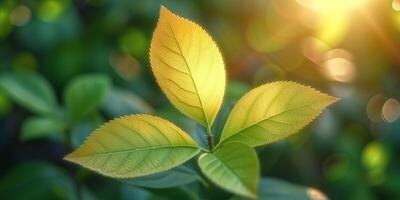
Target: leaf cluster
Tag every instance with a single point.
(190, 71)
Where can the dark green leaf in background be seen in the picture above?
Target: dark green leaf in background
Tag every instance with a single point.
(84, 95)
(36, 181)
(177, 176)
(31, 91)
(42, 127)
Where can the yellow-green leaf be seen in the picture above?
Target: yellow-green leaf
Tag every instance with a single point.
(273, 111)
(188, 67)
(133, 146)
(233, 167)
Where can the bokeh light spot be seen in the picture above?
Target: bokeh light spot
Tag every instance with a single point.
(5, 25)
(339, 69)
(339, 53)
(20, 15)
(51, 10)
(315, 194)
(133, 42)
(391, 110)
(396, 5)
(374, 156)
(374, 108)
(375, 160)
(125, 65)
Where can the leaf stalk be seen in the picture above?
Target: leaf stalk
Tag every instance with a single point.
(210, 138)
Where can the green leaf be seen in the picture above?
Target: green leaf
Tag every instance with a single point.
(5, 103)
(120, 102)
(41, 127)
(177, 176)
(188, 67)
(234, 167)
(36, 181)
(271, 188)
(84, 95)
(134, 146)
(31, 91)
(272, 112)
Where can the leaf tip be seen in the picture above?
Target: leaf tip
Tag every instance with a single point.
(332, 99)
(68, 157)
(335, 99)
(71, 157)
(250, 193)
(253, 195)
(164, 10)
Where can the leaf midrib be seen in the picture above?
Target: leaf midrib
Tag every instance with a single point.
(264, 119)
(230, 170)
(136, 150)
(190, 72)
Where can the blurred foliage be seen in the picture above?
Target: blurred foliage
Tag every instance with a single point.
(56, 56)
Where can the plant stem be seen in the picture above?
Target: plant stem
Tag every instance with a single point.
(209, 138)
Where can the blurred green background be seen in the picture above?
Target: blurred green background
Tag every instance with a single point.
(90, 57)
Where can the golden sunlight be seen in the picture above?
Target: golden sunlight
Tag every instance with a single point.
(332, 17)
(327, 7)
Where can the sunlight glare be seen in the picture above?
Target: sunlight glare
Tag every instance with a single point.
(332, 17)
(328, 7)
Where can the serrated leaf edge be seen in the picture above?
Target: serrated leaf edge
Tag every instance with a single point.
(251, 194)
(208, 123)
(96, 131)
(334, 100)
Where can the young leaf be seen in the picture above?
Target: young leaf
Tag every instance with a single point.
(84, 94)
(40, 127)
(134, 146)
(30, 91)
(234, 167)
(177, 176)
(273, 111)
(188, 67)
